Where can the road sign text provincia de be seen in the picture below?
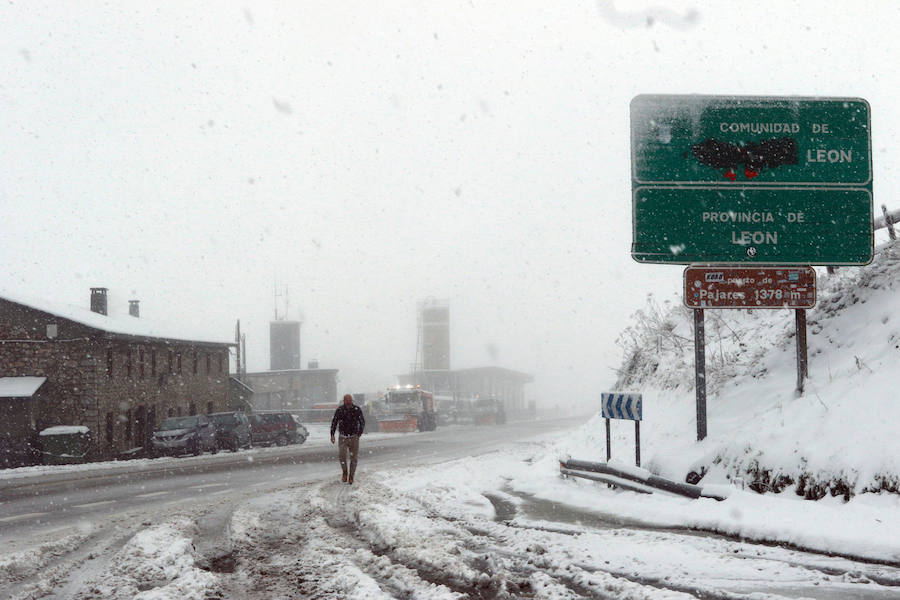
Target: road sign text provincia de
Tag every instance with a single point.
(750, 287)
(751, 180)
(770, 225)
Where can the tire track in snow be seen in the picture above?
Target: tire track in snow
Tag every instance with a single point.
(330, 542)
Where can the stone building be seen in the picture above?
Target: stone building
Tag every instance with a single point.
(118, 376)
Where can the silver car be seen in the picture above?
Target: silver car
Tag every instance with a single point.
(184, 435)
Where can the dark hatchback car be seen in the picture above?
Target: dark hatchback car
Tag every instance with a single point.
(277, 428)
(184, 435)
(232, 430)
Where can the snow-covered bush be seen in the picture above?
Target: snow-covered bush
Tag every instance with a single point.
(838, 438)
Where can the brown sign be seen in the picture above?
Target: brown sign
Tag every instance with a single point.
(760, 287)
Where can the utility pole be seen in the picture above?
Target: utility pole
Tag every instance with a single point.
(237, 339)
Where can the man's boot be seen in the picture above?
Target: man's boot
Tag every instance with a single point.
(350, 480)
(344, 477)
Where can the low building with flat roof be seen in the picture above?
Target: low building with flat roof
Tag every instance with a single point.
(292, 389)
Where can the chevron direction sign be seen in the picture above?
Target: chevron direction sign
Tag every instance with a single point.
(616, 405)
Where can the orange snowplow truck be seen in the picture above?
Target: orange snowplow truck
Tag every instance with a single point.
(406, 409)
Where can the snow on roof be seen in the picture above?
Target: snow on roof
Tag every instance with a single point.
(65, 430)
(118, 324)
(241, 383)
(20, 387)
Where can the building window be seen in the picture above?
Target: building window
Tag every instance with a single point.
(178, 411)
(140, 425)
(153, 363)
(128, 420)
(151, 422)
(141, 362)
(193, 409)
(128, 364)
(220, 362)
(196, 360)
(171, 362)
(171, 412)
(178, 361)
(209, 408)
(208, 370)
(110, 430)
(109, 363)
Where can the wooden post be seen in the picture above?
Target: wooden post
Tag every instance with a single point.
(637, 443)
(802, 367)
(888, 222)
(700, 372)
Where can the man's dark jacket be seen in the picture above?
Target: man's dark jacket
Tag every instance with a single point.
(348, 420)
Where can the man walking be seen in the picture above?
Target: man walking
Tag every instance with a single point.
(349, 421)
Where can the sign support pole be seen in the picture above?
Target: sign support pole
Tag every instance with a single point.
(637, 443)
(700, 372)
(802, 366)
(608, 448)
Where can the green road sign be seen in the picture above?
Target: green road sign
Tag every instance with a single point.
(709, 155)
(750, 141)
(803, 226)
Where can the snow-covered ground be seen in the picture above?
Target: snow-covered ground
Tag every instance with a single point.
(505, 525)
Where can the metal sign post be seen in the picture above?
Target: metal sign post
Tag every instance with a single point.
(620, 405)
(608, 441)
(700, 371)
(800, 320)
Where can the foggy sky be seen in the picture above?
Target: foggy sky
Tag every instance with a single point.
(368, 156)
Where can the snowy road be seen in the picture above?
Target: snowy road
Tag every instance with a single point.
(275, 523)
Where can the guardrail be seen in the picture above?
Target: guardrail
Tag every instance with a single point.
(635, 479)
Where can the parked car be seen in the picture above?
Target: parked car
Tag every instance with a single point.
(232, 430)
(302, 431)
(277, 428)
(184, 435)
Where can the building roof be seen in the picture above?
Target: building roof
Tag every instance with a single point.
(20, 387)
(65, 430)
(237, 381)
(495, 371)
(125, 325)
(510, 373)
(292, 372)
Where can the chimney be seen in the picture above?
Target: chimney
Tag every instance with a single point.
(313, 364)
(134, 308)
(98, 300)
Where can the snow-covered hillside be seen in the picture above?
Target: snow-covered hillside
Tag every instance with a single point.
(839, 437)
